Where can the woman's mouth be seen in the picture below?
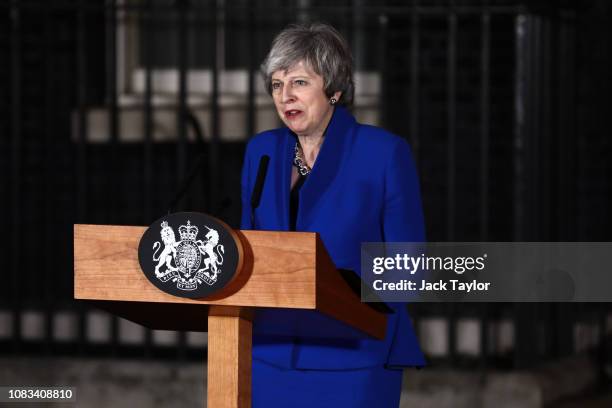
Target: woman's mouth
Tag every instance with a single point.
(292, 114)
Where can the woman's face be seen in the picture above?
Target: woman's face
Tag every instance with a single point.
(300, 100)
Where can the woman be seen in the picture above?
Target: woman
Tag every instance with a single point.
(349, 182)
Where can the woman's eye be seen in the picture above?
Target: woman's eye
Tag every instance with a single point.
(300, 82)
(276, 85)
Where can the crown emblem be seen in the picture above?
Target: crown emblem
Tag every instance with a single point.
(188, 232)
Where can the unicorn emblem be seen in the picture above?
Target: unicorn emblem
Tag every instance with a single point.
(212, 259)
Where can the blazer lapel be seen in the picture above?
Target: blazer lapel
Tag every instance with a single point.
(326, 166)
(284, 154)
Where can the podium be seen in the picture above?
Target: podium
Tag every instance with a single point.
(280, 271)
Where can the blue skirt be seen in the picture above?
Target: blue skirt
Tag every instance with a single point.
(372, 387)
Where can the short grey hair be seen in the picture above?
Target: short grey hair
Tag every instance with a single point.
(322, 48)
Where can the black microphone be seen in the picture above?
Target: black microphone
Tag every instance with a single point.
(186, 183)
(259, 184)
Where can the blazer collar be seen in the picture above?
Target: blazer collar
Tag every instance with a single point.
(326, 167)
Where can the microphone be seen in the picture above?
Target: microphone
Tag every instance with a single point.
(259, 184)
(186, 183)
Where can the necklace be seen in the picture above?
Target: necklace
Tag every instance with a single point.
(298, 162)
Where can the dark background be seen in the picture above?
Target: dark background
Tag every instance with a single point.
(505, 104)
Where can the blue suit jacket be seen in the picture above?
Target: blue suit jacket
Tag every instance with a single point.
(362, 188)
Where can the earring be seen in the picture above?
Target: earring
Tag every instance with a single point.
(333, 101)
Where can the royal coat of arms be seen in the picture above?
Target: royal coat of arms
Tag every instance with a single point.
(190, 261)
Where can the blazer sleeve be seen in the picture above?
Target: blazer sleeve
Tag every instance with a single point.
(245, 191)
(403, 222)
(402, 211)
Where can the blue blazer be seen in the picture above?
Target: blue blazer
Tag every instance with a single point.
(362, 188)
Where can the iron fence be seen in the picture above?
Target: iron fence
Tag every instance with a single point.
(111, 103)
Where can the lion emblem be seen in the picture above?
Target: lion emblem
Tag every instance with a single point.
(169, 252)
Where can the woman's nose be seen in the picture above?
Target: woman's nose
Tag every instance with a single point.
(288, 95)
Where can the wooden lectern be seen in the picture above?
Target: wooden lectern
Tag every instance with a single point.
(290, 270)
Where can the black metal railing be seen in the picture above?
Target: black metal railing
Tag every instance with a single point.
(472, 87)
